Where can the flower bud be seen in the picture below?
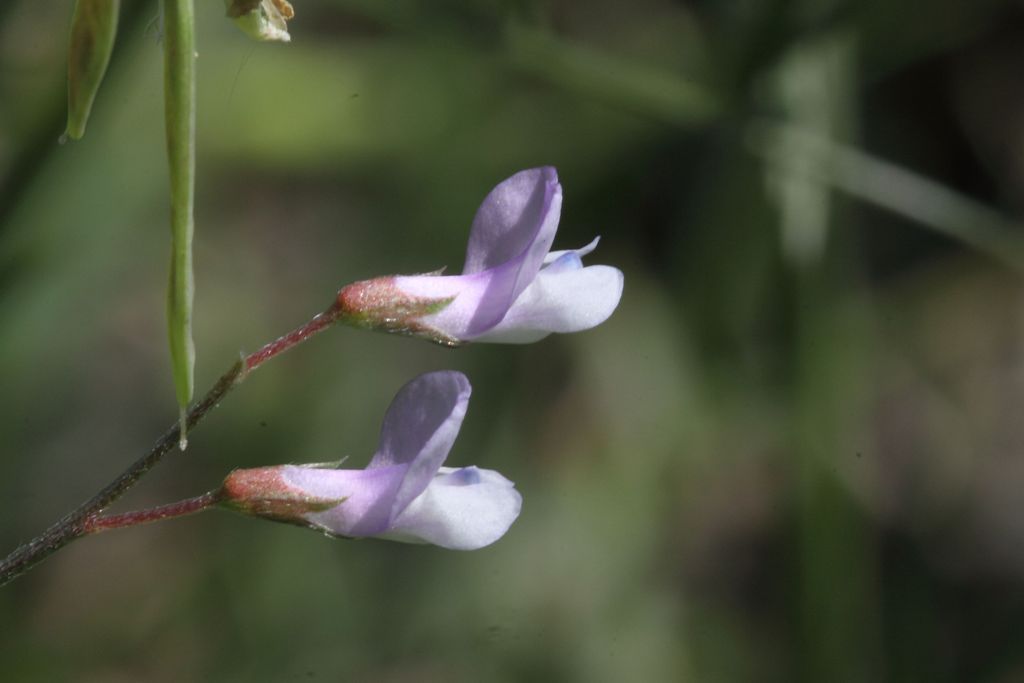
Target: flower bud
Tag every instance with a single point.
(262, 19)
(93, 28)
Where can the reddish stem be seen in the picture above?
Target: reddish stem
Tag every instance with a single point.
(189, 506)
(300, 334)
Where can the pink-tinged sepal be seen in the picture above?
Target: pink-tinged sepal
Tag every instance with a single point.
(380, 306)
(264, 492)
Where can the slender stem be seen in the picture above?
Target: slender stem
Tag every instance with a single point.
(189, 506)
(77, 522)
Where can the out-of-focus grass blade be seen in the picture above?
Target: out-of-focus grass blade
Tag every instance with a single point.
(644, 89)
(812, 88)
(93, 29)
(815, 85)
(180, 115)
(892, 187)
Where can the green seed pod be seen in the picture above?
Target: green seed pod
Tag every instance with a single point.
(180, 119)
(93, 28)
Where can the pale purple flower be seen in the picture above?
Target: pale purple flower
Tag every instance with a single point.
(403, 494)
(512, 287)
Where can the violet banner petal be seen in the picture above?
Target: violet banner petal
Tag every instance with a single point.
(559, 300)
(509, 220)
(461, 509)
(419, 429)
(512, 233)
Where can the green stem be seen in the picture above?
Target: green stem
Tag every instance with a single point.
(180, 116)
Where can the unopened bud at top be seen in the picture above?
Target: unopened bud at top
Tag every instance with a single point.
(261, 19)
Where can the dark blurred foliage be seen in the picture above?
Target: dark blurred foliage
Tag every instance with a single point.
(794, 452)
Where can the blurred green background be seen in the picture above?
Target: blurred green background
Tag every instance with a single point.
(793, 454)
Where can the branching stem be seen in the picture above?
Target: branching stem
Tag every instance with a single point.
(86, 519)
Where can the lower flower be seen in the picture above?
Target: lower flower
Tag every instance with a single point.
(403, 494)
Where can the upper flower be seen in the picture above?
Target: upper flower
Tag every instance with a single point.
(403, 494)
(512, 287)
